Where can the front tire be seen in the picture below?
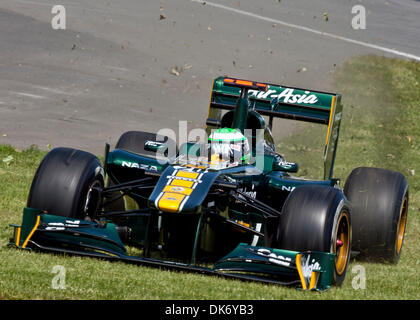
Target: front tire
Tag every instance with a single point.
(63, 183)
(317, 218)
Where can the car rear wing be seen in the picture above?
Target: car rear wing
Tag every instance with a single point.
(276, 101)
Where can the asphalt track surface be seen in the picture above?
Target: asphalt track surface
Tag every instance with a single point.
(145, 65)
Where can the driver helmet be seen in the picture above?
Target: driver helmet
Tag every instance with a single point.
(228, 144)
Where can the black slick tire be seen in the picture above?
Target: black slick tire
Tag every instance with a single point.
(317, 218)
(379, 206)
(63, 181)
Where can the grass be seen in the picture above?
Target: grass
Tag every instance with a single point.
(381, 109)
(379, 129)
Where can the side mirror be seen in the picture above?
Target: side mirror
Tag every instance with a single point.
(282, 165)
(155, 146)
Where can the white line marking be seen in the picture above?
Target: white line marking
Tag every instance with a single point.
(28, 95)
(295, 26)
(116, 68)
(53, 90)
(34, 2)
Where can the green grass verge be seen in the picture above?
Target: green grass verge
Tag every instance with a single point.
(381, 109)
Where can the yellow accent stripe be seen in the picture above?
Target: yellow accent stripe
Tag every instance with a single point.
(314, 277)
(330, 120)
(170, 202)
(195, 166)
(187, 174)
(182, 183)
(38, 219)
(299, 269)
(19, 229)
(177, 189)
(243, 223)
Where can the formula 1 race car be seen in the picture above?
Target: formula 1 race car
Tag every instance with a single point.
(231, 201)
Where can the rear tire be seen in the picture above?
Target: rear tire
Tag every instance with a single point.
(62, 183)
(379, 206)
(314, 218)
(134, 142)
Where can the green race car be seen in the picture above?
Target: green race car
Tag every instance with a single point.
(228, 206)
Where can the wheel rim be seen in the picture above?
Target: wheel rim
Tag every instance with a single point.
(401, 225)
(95, 183)
(342, 245)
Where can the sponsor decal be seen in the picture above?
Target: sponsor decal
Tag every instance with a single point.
(308, 270)
(272, 257)
(287, 96)
(269, 94)
(288, 188)
(151, 143)
(59, 226)
(178, 189)
(286, 164)
(309, 266)
(251, 193)
(138, 166)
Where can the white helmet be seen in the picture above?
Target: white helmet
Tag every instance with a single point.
(229, 144)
